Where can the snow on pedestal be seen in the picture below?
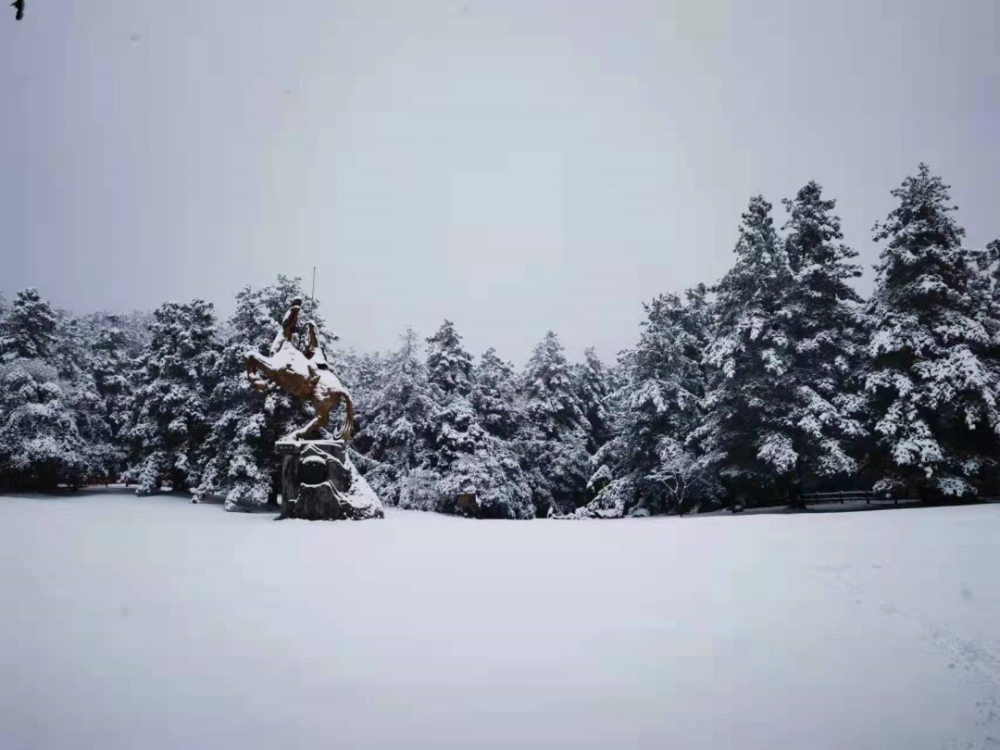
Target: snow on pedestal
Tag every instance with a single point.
(320, 482)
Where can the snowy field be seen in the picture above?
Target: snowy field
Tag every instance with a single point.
(154, 623)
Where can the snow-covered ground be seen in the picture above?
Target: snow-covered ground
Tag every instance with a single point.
(153, 623)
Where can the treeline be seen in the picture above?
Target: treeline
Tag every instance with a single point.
(777, 381)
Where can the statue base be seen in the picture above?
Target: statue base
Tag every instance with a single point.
(320, 483)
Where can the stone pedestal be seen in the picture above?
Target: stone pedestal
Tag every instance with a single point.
(319, 482)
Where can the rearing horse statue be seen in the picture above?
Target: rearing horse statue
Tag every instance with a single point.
(304, 374)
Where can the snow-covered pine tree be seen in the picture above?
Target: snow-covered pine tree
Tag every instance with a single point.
(44, 421)
(397, 432)
(698, 319)
(110, 353)
(989, 263)
(73, 357)
(449, 366)
(240, 463)
(554, 439)
(592, 389)
(931, 386)
(467, 460)
(464, 458)
(29, 328)
(362, 374)
(826, 339)
(136, 326)
(989, 267)
(654, 410)
(454, 433)
(52, 427)
(169, 419)
(749, 425)
(454, 427)
(492, 472)
(496, 398)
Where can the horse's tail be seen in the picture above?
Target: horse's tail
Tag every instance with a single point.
(348, 429)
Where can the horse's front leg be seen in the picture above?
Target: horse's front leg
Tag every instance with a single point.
(254, 366)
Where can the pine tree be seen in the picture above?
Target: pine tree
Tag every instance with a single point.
(466, 460)
(74, 356)
(363, 374)
(398, 430)
(749, 427)
(655, 409)
(495, 397)
(989, 318)
(455, 430)
(592, 389)
(111, 353)
(554, 436)
(449, 366)
(240, 463)
(52, 426)
(492, 472)
(989, 268)
(474, 452)
(29, 330)
(931, 385)
(47, 434)
(824, 330)
(169, 419)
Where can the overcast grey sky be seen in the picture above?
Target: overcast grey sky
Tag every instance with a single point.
(513, 165)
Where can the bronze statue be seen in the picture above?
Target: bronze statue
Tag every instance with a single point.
(303, 373)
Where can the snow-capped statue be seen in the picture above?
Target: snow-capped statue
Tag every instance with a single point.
(303, 373)
(318, 479)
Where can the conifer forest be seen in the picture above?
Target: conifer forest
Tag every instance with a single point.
(773, 382)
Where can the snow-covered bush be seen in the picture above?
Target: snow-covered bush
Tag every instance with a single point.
(420, 490)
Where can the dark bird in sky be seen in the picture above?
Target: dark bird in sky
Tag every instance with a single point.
(19, 4)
